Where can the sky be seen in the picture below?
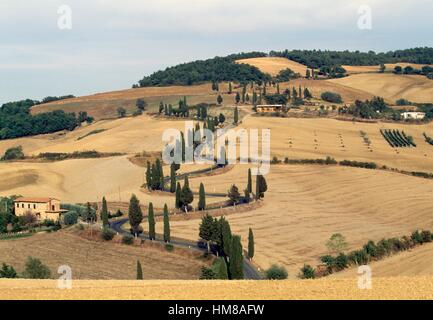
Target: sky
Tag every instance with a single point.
(112, 44)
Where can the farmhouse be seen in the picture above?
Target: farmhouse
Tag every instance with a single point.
(413, 115)
(42, 208)
(263, 108)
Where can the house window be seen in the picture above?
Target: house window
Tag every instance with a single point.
(28, 206)
(22, 206)
(53, 208)
(18, 205)
(34, 206)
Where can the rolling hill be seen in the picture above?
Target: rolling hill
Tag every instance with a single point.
(390, 86)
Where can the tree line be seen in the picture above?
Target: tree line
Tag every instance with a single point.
(17, 121)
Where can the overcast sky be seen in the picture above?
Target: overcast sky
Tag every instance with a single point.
(113, 43)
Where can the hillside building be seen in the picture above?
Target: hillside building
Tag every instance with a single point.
(413, 115)
(42, 208)
(265, 108)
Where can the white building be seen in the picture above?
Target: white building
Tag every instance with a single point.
(413, 115)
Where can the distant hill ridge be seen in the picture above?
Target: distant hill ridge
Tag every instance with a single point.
(225, 68)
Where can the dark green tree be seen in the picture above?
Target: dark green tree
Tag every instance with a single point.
(139, 271)
(236, 116)
(238, 98)
(250, 182)
(206, 230)
(219, 99)
(236, 259)
(201, 198)
(186, 196)
(234, 195)
(178, 193)
(166, 224)
(135, 214)
(173, 178)
(104, 213)
(250, 244)
(151, 220)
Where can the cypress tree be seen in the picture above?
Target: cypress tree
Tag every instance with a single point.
(148, 176)
(166, 224)
(186, 196)
(236, 259)
(172, 178)
(230, 88)
(151, 219)
(250, 182)
(236, 116)
(206, 230)
(250, 244)
(178, 192)
(202, 198)
(226, 236)
(219, 99)
(135, 214)
(154, 177)
(160, 174)
(237, 98)
(254, 98)
(139, 271)
(104, 213)
(222, 270)
(278, 88)
(257, 188)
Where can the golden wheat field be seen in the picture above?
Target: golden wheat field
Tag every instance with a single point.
(100, 260)
(126, 135)
(318, 138)
(391, 87)
(361, 69)
(414, 262)
(335, 289)
(273, 65)
(306, 204)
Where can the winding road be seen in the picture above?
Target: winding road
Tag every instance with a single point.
(250, 271)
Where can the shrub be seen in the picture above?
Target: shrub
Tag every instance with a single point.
(8, 272)
(34, 269)
(331, 97)
(207, 274)
(329, 261)
(128, 239)
(341, 261)
(307, 272)
(14, 153)
(416, 237)
(276, 273)
(426, 236)
(70, 218)
(107, 234)
(169, 247)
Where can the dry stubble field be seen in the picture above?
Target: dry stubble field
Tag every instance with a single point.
(336, 289)
(98, 260)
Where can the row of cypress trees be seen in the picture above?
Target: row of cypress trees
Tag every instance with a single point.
(228, 245)
(135, 215)
(155, 176)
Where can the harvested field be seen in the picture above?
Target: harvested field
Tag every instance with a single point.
(100, 260)
(273, 65)
(415, 262)
(383, 288)
(390, 86)
(305, 205)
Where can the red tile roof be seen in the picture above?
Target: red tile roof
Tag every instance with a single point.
(34, 199)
